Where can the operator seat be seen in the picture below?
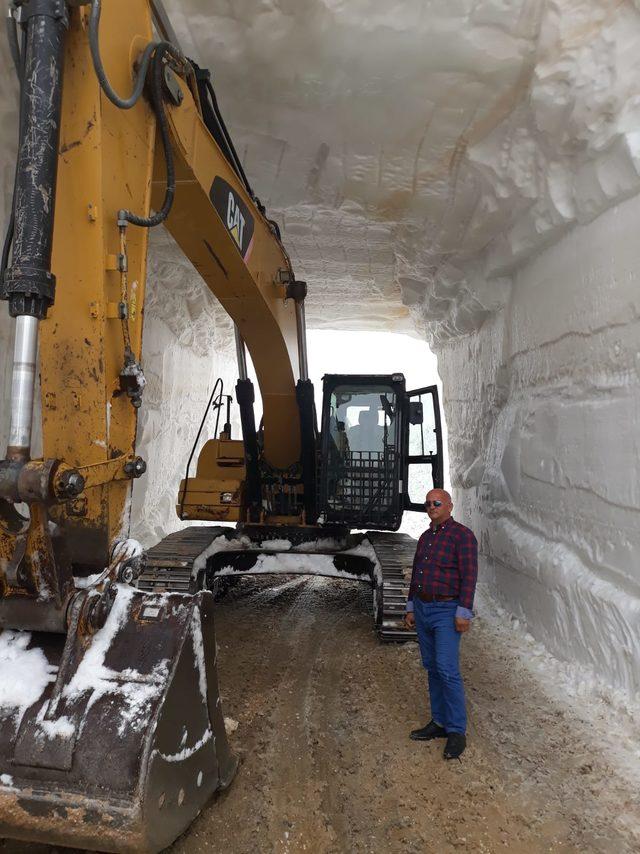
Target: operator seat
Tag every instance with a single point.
(366, 435)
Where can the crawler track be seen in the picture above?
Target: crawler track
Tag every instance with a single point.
(169, 567)
(169, 564)
(395, 556)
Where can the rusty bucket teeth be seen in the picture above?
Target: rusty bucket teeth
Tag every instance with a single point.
(113, 740)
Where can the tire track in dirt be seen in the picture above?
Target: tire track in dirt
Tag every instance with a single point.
(303, 808)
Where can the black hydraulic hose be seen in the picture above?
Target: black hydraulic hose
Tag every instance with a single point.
(161, 49)
(14, 46)
(197, 439)
(41, 100)
(227, 138)
(245, 397)
(94, 45)
(152, 57)
(8, 237)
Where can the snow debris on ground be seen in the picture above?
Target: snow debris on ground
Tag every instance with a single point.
(24, 672)
(613, 715)
(230, 725)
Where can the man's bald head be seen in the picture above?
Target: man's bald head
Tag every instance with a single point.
(439, 514)
(439, 495)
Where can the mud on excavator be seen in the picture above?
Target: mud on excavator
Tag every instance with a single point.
(111, 729)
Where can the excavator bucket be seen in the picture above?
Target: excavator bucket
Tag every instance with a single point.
(113, 739)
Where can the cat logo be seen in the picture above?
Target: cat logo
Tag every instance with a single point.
(234, 213)
(235, 220)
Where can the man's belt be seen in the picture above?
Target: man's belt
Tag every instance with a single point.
(426, 597)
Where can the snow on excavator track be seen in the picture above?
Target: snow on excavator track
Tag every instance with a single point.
(183, 562)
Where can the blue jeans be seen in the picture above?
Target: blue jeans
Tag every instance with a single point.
(439, 646)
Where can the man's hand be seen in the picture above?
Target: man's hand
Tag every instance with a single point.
(462, 625)
(410, 620)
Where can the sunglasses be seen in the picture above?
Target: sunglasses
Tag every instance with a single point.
(433, 503)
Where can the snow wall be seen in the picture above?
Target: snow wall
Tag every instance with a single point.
(467, 171)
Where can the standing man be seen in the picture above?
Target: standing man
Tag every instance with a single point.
(443, 583)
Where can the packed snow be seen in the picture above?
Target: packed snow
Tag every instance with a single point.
(24, 673)
(288, 564)
(290, 559)
(61, 727)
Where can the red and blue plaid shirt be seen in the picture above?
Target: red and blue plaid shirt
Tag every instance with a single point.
(446, 563)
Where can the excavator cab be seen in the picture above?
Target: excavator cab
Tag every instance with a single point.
(381, 449)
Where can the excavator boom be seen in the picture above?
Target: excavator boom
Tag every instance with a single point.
(111, 728)
(93, 668)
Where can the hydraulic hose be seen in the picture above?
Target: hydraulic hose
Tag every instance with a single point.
(211, 402)
(94, 45)
(8, 237)
(161, 49)
(14, 47)
(29, 285)
(152, 57)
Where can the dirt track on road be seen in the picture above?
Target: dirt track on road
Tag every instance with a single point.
(324, 713)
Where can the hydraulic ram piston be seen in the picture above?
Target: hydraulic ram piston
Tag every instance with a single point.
(22, 386)
(28, 284)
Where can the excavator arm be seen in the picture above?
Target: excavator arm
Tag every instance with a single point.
(106, 667)
(90, 342)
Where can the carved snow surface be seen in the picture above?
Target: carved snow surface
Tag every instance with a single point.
(188, 343)
(416, 153)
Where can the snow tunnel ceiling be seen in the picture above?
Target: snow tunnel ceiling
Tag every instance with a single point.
(415, 152)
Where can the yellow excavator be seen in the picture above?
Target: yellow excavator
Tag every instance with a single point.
(111, 729)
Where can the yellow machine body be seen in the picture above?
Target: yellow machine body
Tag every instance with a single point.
(216, 493)
(129, 675)
(105, 163)
(110, 159)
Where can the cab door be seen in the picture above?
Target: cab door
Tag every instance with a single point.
(423, 446)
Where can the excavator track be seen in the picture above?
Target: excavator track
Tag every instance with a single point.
(395, 555)
(168, 566)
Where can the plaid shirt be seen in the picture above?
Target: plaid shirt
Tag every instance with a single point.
(446, 563)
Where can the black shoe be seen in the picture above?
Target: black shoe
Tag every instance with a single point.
(431, 730)
(456, 743)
